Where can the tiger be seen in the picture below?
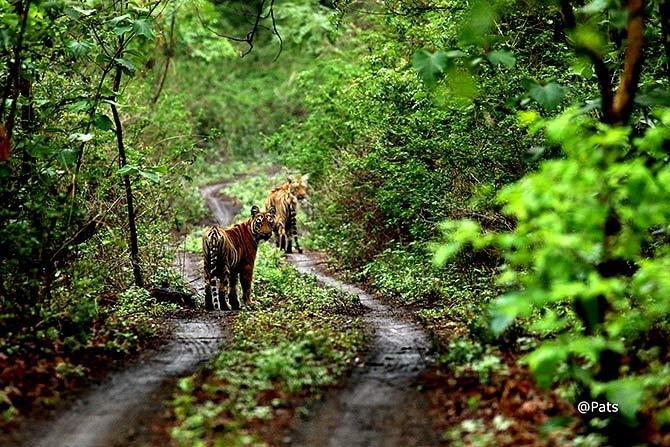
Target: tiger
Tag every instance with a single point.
(284, 199)
(229, 252)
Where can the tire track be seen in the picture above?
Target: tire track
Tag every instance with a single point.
(380, 406)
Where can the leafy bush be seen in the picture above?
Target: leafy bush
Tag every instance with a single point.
(586, 264)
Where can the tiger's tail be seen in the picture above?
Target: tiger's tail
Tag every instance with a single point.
(210, 251)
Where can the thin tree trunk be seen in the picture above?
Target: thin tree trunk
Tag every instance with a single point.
(134, 250)
(12, 85)
(664, 12)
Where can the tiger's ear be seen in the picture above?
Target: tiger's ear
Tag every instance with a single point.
(255, 210)
(272, 210)
(305, 177)
(290, 178)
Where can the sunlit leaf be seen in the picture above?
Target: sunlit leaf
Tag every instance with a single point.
(594, 6)
(83, 137)
(119, 19)
(68, 156)
(125, 63)
(628, 395)
(151, 175)
(128, 170)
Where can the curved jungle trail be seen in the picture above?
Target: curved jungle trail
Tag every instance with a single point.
(334, 223)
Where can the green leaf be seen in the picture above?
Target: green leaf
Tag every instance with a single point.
(119, 30)
(499, 57)
(125, 63)
(628, 395)
(83, 137)
(594, 7)
(549, 96)
(116, 20)
(544, 362)
(79, 48)
(504, 310)
(102, 122)
(84, 12)
(68, 156)
(128, 170)
(143, 28)
(151, 175)
(75, 13)
(80, 106)
(430, 66)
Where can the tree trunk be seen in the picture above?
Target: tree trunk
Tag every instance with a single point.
(664, 12)
(134, 251)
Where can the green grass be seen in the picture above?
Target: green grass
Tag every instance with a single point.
(297, 340)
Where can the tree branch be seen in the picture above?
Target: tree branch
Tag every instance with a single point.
(623, 101)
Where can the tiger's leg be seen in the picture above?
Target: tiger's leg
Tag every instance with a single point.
(295, 239)
(281, 230)
(246, 278)
(289, 240)
(232, 292)
(276, 234)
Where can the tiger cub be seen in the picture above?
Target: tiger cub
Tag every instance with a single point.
(229, 252)
(284, 199)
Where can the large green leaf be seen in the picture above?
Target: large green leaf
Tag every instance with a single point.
(548, 96)
(430, 66)
(628, 394)
(68, 156)
(127, 64)
(143, 28)
(102, 122)
(544, 362)
(79, 47)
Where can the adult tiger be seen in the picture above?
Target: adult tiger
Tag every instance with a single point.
(231, 252)
(284, 198)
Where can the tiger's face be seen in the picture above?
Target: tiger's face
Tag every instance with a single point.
(298, 187)
(262, 223)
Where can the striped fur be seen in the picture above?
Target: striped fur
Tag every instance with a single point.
(230, 253)
(284, 199)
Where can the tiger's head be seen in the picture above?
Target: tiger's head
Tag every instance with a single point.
(262, 224)
(298, 187)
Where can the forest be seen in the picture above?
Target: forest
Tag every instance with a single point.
(454, 220)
